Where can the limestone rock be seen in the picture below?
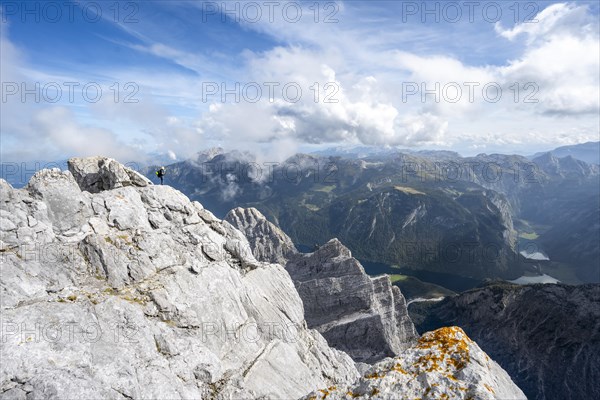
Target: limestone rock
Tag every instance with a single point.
(444, 364)
(268, 242)
(67, 208)
(110, 292)
(95, 174)
(363, 316)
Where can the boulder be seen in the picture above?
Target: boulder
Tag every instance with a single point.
(95, 174)
(443, 364)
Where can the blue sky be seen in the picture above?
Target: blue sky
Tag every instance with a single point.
(165, 55)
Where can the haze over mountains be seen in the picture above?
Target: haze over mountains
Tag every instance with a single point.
(429, 212)
(588, 152)
(433, 214)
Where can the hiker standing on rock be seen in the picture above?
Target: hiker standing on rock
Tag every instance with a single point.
(161, 173)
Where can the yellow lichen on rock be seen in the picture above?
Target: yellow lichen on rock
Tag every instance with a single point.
(449, 345)
(398, 368)
(375, 375)
(327, 392)
(444, 364)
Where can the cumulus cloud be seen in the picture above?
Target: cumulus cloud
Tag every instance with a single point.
(62, 133)
(424, 129)
(562, 57)
(329, 109)
(559, 65)
(359, 94)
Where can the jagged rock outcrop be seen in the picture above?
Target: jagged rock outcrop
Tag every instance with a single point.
(136, 292)
(95, 174)
(363, 316)
(444, 364)
(547, 337)
(268, 242)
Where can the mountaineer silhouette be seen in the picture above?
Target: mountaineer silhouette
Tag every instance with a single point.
(161, 172)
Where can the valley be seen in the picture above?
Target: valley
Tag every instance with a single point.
(437, 217)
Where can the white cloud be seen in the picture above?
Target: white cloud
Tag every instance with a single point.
(424, 129)
(562, 57)
(370, 109)
(343, 112)
(560, 53)
(61, 133)
(554, 20)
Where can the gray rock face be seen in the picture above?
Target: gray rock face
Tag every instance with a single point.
(95, 174)
(268, 242)
(547, 337)
(114, 288)
(363, 316)
(67, 207)
(444, 364)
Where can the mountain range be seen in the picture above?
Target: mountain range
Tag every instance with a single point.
(432, 213)
(588, 152)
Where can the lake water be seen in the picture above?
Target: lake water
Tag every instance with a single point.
(537, 255)
(375, 268)
(421, 299)
(450, 281)
(526, 280)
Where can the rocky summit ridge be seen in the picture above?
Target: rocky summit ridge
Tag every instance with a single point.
(112, 287)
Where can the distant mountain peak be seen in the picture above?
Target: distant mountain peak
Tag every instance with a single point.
(588, 152)
(208, 154)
